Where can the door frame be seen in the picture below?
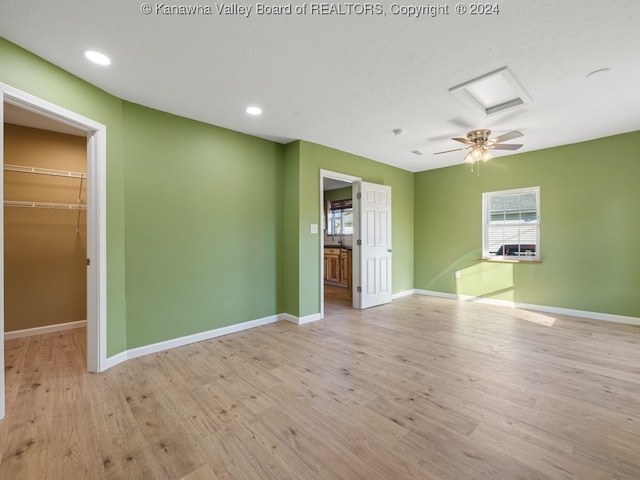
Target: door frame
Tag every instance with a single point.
(96, 134)
(355, 256)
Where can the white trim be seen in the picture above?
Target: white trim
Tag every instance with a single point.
(355, 263)
(2, 386)
(310, 318)
(606, 317)
(96, 222)
(188, 339)
(431, 293)
(289, 318)
(59, 327)
(486, 224)
(405, 293)
(117, 359)
(301, 320)
(96, 215)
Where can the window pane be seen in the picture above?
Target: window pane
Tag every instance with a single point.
(529, 216)
(512, 228)
(496, 209)
(347, 222)
(512, 203)
(528, 201)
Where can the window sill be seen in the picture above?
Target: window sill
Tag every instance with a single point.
(510, 260)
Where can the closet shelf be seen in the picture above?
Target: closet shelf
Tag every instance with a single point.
(44, 171)
(59, 206)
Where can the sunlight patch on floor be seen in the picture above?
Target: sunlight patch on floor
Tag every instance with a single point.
(533, 317)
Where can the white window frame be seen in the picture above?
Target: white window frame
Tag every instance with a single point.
(486, 197)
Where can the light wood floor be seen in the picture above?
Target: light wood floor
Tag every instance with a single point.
(423, 388)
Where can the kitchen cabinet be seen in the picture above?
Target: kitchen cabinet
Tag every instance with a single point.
(337, 266)
(332, 265)
(345, 267)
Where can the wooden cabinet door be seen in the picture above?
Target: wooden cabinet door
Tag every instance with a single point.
(344, 267)
(326, 267)
(333, 270)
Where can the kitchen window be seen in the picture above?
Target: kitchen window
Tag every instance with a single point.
(511, 224)
(340, 217)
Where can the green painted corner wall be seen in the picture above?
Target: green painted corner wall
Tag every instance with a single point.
(313, 158)
(204, 226)
(29, 73)
(291, 244)
(590, 228)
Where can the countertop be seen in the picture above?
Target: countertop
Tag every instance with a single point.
(346, 247)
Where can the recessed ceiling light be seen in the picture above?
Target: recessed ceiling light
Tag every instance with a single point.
(254, 111)
(97, 57)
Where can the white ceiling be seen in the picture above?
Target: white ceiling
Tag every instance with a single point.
(346, 81)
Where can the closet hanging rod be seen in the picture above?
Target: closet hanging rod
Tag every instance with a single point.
(44, 171)
(59, 206)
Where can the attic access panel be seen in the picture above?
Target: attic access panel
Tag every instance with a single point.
(492, 93)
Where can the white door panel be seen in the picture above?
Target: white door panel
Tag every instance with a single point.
(375, 245)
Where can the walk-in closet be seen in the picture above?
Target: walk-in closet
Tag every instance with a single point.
(45, 234)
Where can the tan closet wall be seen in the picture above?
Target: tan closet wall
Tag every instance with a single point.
(45, 257)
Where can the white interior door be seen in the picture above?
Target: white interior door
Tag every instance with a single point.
(375, 244)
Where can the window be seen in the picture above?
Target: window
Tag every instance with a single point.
(511, 224)
(340, 217)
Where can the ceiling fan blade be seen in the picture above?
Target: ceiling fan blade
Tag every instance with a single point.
(463, 140)
(448, 151)
(507, 136)
(507, 146)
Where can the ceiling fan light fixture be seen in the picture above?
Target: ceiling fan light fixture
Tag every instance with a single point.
(468, 158)
(486, 155)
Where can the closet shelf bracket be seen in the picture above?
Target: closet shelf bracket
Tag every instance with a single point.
(59, 206)
(44, 171)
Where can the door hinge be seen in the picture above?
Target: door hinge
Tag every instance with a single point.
(359, 242)
(88, 262)
(359, 289)
(359, 195)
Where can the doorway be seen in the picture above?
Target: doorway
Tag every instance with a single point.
(44, 226)
(25, 108)
(338, 258)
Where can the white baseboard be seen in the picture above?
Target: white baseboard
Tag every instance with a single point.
(199, 337)
(116, 359)
(405, 293)
(59, 327)
(607, 317)
(301, 320)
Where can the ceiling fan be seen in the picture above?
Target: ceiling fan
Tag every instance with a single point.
(481, 145)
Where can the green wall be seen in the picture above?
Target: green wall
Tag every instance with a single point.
(203, 222)
(201, 206)
(24, 71)
(337, 194)
(207, 227)
(590, 228)
(291, 237)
